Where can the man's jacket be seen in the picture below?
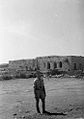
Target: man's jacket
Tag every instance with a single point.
(39, 88)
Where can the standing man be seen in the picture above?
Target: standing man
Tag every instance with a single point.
(39, 91)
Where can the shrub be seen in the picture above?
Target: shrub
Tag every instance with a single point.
(6, 77)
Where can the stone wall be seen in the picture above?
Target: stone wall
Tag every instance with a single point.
(23, 64)
(26, 67)
(22, 67)
(54, 62)
(64, 63)
(77, 63)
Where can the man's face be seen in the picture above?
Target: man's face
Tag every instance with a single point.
(39, 75)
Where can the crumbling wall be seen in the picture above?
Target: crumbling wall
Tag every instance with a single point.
(54, 62)
(26, 67)
(77, 63)
(22, 67)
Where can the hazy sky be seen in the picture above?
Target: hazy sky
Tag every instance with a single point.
(31, 28)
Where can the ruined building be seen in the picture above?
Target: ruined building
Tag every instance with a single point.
(64, 63)
(21, 68)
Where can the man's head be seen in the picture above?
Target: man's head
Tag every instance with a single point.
(38, 74)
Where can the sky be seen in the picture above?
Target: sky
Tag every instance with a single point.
(32, 28)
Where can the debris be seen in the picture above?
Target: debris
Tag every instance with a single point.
(14, 114)
(27, 111)
(23, 117)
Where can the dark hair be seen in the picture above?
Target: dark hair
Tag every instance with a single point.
(39, 73)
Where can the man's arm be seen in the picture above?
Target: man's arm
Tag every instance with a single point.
(44, 90)
(34, 86)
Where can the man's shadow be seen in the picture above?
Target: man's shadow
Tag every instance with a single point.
(57, 113)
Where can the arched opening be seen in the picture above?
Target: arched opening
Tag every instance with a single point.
(60, 64)
(55, 65)
(48, 65)
(75, 66)
(80, 66)
(44, 64)
(26, 68)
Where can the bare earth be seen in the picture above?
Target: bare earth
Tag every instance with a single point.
(63, 96)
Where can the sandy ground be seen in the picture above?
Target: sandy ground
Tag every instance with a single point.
(63, 95)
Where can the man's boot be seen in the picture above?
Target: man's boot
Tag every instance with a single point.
(43, 106)
(37, 106)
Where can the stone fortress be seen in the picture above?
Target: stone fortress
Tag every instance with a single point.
(63, 63)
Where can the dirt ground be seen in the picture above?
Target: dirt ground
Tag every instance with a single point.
(63, 96)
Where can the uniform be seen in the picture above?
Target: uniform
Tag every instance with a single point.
(39, 91)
